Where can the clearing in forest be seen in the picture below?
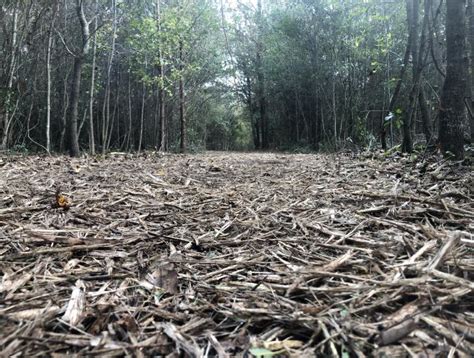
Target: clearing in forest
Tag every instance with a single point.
(222, 254)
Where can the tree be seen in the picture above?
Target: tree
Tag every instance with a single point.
(413, 17)
(301, 74)
(470, 14)
(452, 109)
(79, 58)
(48, 71)
(6, 111)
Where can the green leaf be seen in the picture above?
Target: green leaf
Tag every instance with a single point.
(344, 313)
(263, 352)
(398, 124)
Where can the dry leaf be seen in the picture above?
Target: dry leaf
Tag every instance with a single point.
(76, 305)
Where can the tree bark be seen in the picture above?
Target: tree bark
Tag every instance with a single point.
(412, 17)
(422, 57)
(470, 14)
(106, 105)
(48, 78)
(426, 118)
(142, 118)
(129, 131)
(452, 108)
(182, 116)
(72, 133)
(6, 122)
(92, 89)
(71, 126)
(162, 109)
(396, 92)
(263, 140)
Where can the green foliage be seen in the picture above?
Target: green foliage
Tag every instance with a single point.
(363, 136)
(318, 67)
(263, 352)
(227, 127)
(8, 99)
(20, 149)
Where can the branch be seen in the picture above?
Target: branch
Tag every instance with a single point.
(84, 26)
(64, 43)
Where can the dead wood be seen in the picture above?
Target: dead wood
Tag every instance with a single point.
(222, 254)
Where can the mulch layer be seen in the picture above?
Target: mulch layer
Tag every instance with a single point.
(236, 255)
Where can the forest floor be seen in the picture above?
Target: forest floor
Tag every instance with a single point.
(225, 254)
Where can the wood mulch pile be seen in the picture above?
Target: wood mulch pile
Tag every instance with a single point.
(227, 255)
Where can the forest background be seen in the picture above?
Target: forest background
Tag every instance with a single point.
(189, 75)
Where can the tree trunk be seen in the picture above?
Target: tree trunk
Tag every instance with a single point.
(426, 118)
(263, 140)
(452, 109)
(129, 131)
(163, 135)
(396, 92)
(91, 95)
(71, 126)
(48, 79)
(114, 121)
(182, 117)
(106, 105)
(422, 57)
(65, 112)
(412, 17)
(142, 118)
(333, 104)
(6, 122)
(470, 14)
(72, 133)
(163, 126)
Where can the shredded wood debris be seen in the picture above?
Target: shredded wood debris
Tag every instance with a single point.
(227, 255)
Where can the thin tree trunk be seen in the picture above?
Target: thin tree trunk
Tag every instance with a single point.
(426, 118)
(114, 115)
(470, 14)
(412, 17)
(156, 119)
(92, 89)
(163, 126)
(81, 124)
(334, 110)
(73, 137)
(263, 140)
(65, 108)
(182, 117)
(48, 79)
(396, 92)
(142, 118)
(11, 71)
(422, 57)
(261, 103)
(452, 108)
(71, 129)
(106, 105)
(129, 134)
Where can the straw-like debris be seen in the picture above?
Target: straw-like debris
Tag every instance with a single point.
(229, 254)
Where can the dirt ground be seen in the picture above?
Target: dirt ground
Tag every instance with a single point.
(227, 254)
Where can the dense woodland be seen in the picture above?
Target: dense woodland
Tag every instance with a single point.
(179, 75)
(296, 224)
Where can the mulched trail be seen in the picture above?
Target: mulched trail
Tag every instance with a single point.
(231, 254)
